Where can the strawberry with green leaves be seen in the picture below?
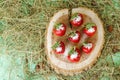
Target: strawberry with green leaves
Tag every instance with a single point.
(87, 47)
(74, 36)
(59, 47)
(90, 29)
(74, 55)
(59, 29)
(77, 20)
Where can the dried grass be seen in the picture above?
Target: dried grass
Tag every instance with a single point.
(22, 31)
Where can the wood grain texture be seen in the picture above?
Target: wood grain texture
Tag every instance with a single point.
(67, 68)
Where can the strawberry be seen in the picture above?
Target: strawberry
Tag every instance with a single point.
(59, 29)
(76, 20)
(74, 36)
(74, 55)
(90, 29)
(87, 47)
(59, 47)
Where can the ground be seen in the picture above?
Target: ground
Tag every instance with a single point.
(22, 35)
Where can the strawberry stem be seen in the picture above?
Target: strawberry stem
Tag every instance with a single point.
(74, 16)
(72, 51)
(55, 45)
(89, 25)
(57, 26)
(84, 43)
(72, 33)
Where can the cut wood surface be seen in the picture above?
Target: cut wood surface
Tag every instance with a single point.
(58, 62)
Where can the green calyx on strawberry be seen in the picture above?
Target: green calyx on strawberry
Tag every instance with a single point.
(74, 16)
(72, 51)
(59, 47)
(74, 36)
(89, 25)
(57, 44)
(59, 29)
(72, 33)
(57, 26)
(74, 55)
(87, 47)
(76, 20)
(90, 29)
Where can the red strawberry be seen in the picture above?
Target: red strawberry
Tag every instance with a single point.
(59, 29)
(74, 55)
(74, 37)
(90, 29)
(87, 47)
(77, 20)
(59, 47)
